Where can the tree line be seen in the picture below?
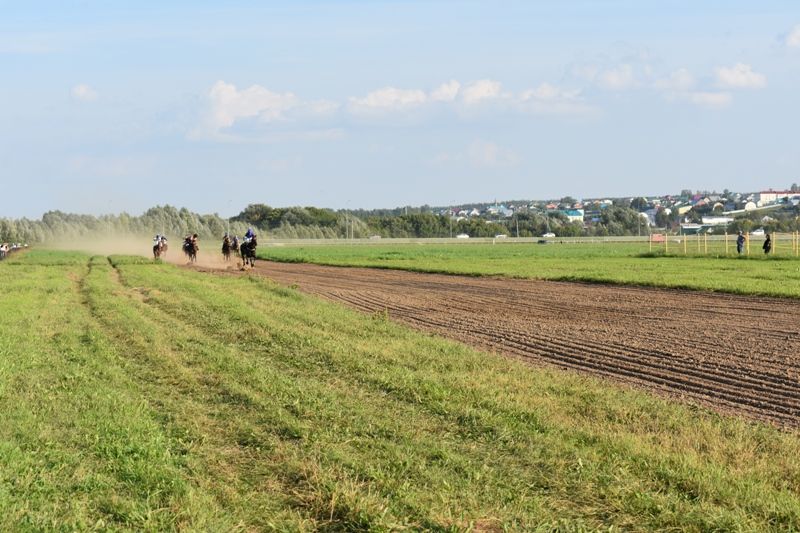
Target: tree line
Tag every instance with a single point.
(319, 223)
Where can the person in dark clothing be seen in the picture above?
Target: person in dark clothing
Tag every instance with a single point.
(740, 243)
(767, 244)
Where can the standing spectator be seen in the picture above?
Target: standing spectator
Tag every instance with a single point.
(740, 243)
(767, 244)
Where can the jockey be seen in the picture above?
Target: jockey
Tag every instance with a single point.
(250, 234)
(157, 239)
(163, 239)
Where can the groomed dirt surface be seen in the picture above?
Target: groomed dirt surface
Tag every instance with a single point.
(735, 354)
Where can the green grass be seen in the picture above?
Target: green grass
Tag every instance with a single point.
(139, 396)
(597, 263)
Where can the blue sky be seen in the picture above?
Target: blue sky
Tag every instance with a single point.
(118, 106)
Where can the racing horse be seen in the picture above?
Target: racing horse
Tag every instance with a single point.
(160, 249)
(226, 249)
(190, 249)
(248, 252)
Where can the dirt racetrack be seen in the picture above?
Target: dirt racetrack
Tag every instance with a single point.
(731, 353)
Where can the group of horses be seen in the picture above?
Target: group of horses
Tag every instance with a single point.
(247, 250)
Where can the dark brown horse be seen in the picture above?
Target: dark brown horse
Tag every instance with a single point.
(248, 252)
(226, 249)
(160, 250)
(190, 248)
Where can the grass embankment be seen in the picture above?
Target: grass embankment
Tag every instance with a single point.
(597, 263)
(140, 396)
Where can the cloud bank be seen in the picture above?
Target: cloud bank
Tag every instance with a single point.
(234, 114)
(229, 111)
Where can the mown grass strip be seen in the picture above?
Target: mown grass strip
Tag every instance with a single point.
(628, 264)
(79, 446)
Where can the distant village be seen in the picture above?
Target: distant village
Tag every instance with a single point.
(688, 213)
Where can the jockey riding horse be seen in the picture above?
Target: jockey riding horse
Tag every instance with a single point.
(226, 247)
(159, 246)
(248, 249)
(190, 247)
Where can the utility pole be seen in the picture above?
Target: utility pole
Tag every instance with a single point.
(229, 218)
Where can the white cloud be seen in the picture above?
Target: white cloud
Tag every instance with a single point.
(481, 90)
(617, 79)
(679, 80)
(446, 92)
(84, 93)
(484, 153)
(228, 105)
(793, 39)
(549, 99)
(739, 76)
(710, 99)
(388, 99)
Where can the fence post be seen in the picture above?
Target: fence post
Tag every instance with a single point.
(698, 243)
(685, 238)
(705, 243)
(666, 243)
(747, 241)
(726, 244)
(650, 241)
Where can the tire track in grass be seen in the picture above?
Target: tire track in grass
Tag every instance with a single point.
(214, 419)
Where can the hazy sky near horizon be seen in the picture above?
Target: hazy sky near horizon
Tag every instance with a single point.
(119, 106)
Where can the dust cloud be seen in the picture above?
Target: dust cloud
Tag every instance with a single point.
(209, 255)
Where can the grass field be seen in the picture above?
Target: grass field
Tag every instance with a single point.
(598, 263)
(140, 396)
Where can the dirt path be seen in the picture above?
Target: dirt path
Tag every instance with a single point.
(732, 353)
